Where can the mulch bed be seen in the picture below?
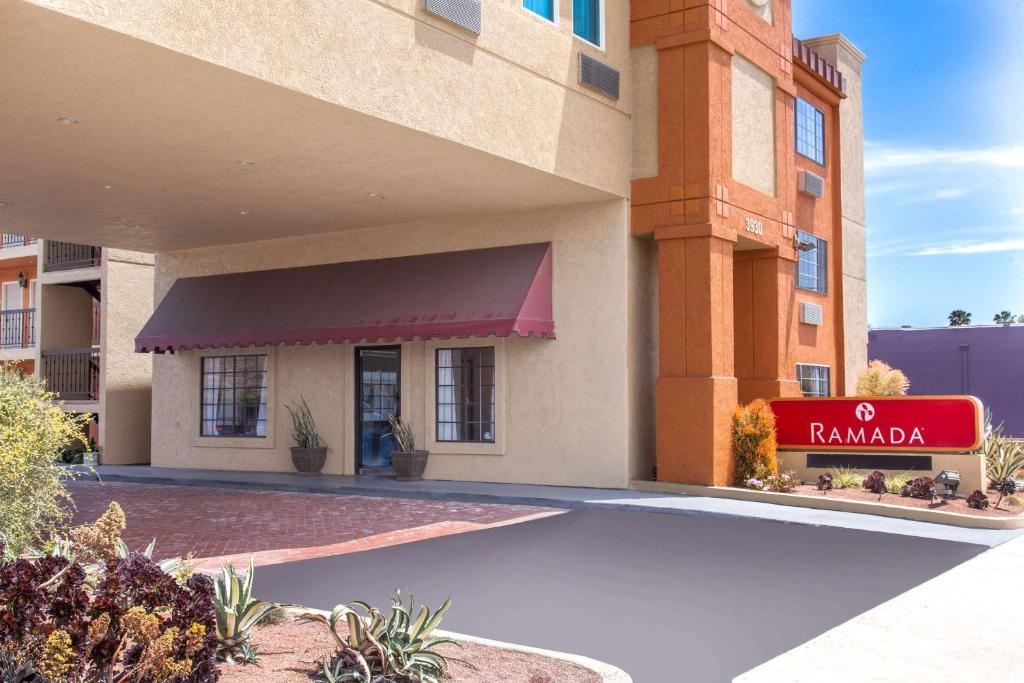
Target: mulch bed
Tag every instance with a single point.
(289, 649)
(958, 504)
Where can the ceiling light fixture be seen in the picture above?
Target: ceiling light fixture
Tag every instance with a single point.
(243, 212)
(375, 195)
(67, 120)
(246, 162)
(108, 187)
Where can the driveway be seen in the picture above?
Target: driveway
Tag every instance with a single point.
(664, 597)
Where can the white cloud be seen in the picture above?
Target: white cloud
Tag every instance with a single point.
(950, 193)
(881, 157)
(1012, 244)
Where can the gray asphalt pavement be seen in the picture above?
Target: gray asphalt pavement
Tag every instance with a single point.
(664, 597)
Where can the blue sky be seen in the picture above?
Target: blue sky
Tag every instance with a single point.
(944, 152)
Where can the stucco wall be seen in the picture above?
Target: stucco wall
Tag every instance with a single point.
(565, 413)
(753, 126)
(642, 353)
(643, 65)
(125, 391)
(65, 317)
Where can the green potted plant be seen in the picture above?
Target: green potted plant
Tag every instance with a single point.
(309, 452)
(408, 462)
(90, 453)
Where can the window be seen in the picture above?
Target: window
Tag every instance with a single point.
(587, 20)
(810, 131)
(545, 8)
(814, 380)
(812, 269)
(234, 396)
(465, 394)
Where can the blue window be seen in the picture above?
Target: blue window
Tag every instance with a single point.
(545, 8)
(587, 20)
(810, 131)
(812, 269)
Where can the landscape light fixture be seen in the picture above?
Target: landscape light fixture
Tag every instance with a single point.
(951, 480)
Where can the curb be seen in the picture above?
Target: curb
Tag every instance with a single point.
(836, 504)
(607, 672)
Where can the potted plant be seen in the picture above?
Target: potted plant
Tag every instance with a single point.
(90, 453)
(309, 453)
(408, 462)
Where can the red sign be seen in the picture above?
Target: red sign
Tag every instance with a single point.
(897, 423)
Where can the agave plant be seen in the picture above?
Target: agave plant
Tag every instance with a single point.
(395, 648)
(1004, 457)
(237, 614)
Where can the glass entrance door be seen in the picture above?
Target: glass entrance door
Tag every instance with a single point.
(378, 396)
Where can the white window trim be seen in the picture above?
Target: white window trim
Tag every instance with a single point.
(600, 28)
(553, 21)
(430, 398)
(194, 370)
(815, 365)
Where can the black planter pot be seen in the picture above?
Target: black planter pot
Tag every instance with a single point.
(309, 460)
(409, 466)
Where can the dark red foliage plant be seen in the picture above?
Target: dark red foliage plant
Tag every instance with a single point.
(977, 500)
(875, 482)
(922, 487)
(825, 481)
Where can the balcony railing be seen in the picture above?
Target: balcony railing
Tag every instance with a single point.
(11, 241)
(17, 328)
(69, 256)
(73, 374)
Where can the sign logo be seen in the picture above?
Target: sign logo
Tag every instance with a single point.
(865, 412)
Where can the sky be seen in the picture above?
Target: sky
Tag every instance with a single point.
(944, 152)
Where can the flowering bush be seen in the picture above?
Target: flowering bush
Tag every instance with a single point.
(753, 440)
(34, 431)
(776, 483)
(122, 619)
(880, 379)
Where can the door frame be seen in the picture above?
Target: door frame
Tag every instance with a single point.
(357, 403)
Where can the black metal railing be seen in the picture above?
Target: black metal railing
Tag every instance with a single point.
(73, 374)
(11, 241)
(17, 328)
(68, 256)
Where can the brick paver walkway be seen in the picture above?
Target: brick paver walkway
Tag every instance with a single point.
(221, 524)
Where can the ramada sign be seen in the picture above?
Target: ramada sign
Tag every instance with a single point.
(899, 423)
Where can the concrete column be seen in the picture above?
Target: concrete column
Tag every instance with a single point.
(696, 388)
(764, 310)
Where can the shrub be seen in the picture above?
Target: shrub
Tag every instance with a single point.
(753, 439)
(393, 649)
(784, 482)
(880, 379)
(303, 427)
(34, 432)
(922, 487)
(1004, 457)
(894, 482)
(977, 500)
(1007, 487)
(237, 613)
(875, 482)
(825, 482)
(846, 478)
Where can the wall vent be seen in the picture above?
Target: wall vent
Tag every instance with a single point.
(598, 76)
(810, 314)
(464, 13)
(812, 184)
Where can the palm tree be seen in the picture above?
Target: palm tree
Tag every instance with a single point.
(1003, 317)
(959, 318)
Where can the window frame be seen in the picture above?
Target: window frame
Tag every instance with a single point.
(821, 257)
(460, 399)
(796, 130)
(817, 367)
(265, 390)
(554, 12)
(600, 45)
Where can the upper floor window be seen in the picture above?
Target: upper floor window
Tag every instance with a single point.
(815, 380)
(588, 20)
(234, 396)
(465, 394)
(545, 8)
(810, 131)
(812, 269)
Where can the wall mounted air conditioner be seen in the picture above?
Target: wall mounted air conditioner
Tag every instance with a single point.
(810, 314)
(812, 184)
(598, 76)
(464, 13)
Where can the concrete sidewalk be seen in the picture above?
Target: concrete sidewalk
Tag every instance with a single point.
(551, 496)
(959, 626)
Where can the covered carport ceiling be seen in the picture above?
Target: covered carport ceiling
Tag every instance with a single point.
(109, 140)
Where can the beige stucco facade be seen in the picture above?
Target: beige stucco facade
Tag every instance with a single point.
(753, 126)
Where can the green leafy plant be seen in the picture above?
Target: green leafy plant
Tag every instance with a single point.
(303, 427)
(34, 433)
(402, 433)
(237, 614)
(397, 648)
(894, 482)
(846, 478)
(753, 442)
(880, 379)
(1004, 457)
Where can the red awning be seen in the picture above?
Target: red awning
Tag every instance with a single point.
(501, 291)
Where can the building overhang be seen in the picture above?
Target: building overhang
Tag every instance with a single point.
(115, 141)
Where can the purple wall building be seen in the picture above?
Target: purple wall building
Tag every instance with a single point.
(986, 361)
